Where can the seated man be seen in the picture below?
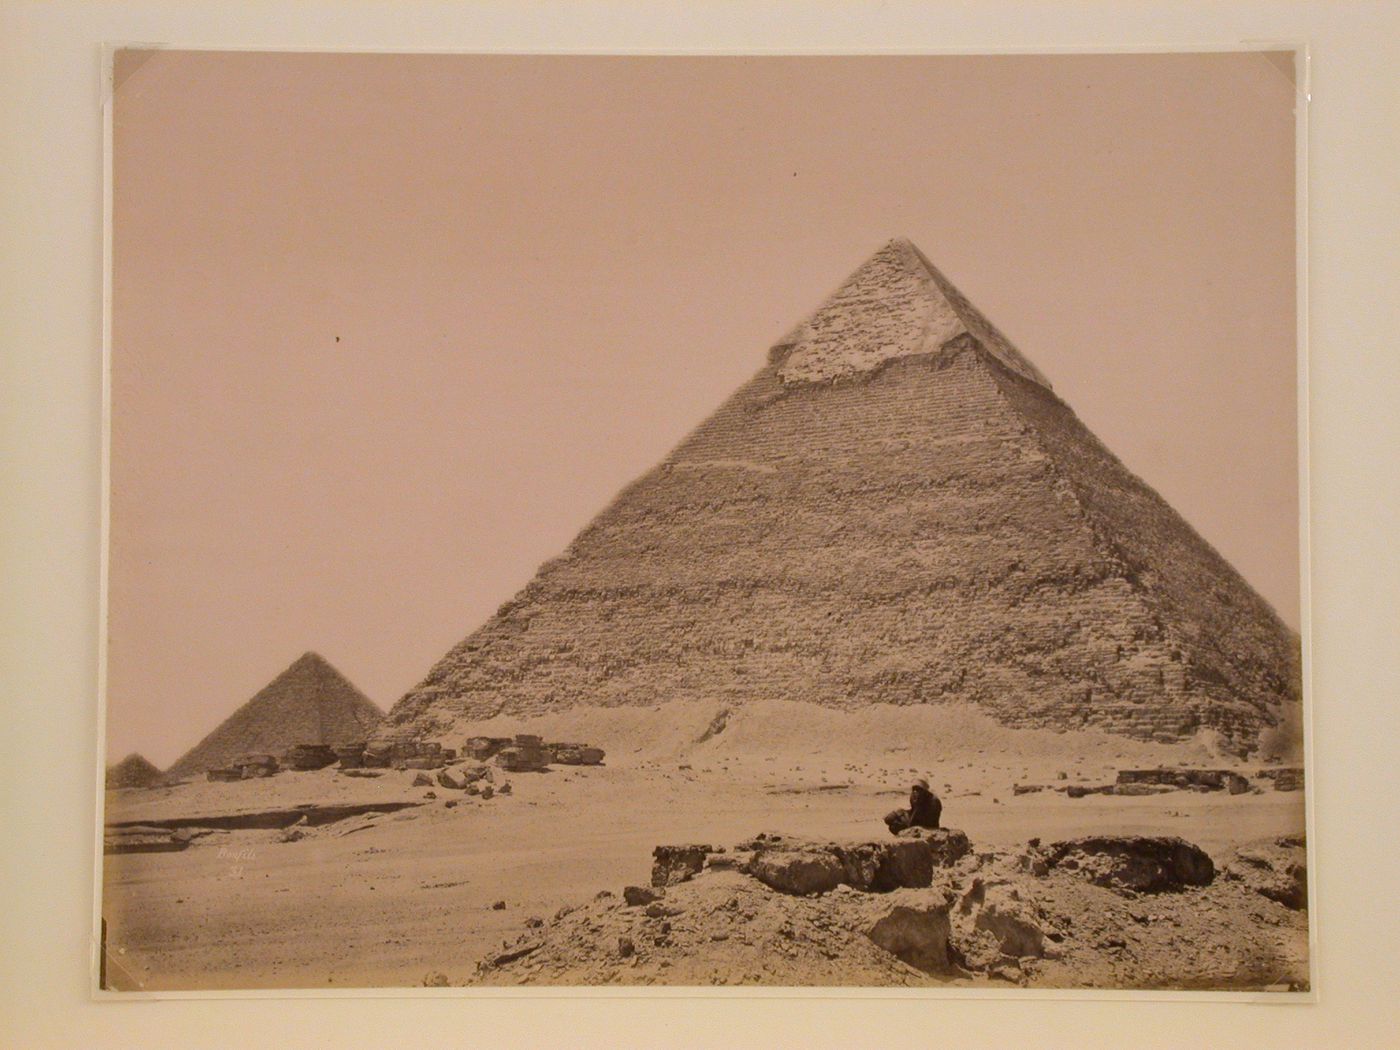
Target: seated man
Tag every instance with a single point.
(923, 812)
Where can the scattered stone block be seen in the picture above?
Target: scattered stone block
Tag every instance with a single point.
(575, 754)
(637, 896)
(948, 845)
(451, 778)
(482, 748)
(522, 759)
(1185, 779)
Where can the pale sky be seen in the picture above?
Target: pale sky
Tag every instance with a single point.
(389, 330)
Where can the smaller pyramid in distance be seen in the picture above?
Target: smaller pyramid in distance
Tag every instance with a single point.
(308, 703)
(134, 771)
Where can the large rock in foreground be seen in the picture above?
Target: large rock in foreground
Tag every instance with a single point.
(803, 868)
(673, 864)
(1146, 864)
(985, 920)
(916, 930)
(801, 873)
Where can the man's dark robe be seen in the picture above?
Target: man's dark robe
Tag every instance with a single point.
(924, 811)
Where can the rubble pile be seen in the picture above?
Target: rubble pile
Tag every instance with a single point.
(781, 910)
(776, 909)
(1142, 863)
(405, 754)
(1274, 868)
(1186, 779)
(522, 753)
(802, 867)
(482, 748)
(526, 754)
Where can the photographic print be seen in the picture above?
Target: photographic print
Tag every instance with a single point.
(704, 521)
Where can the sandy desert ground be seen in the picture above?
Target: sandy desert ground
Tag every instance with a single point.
(397, 898)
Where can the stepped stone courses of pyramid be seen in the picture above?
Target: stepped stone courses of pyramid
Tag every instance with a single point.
(308, 703)
(895, 509)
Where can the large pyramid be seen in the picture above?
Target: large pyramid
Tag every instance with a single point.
(895, 509)
(308, 703)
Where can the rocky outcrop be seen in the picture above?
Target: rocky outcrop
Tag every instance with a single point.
(917, 930)
(1140, 863)
(884, 866)
(1012, 923)
(799, 872)
(1274, 868)
(990, 918)
(803, 867)
(637, 896)
(946, 846)
(674, 864)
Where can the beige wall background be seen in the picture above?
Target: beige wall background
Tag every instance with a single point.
(50, 534)
(388, 330)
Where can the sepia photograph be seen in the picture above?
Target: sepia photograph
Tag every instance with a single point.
(706, 521)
